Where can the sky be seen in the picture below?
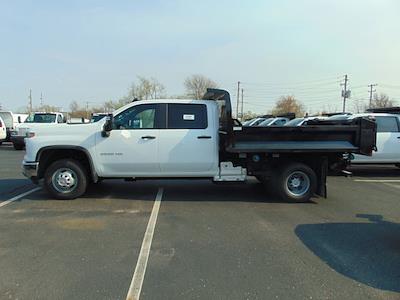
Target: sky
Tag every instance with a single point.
(93, 50)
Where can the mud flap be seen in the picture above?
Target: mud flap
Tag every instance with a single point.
(322, 171)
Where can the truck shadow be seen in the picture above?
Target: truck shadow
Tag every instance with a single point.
(366, 252)
(375, 171)
(186, 190)
(12, 187)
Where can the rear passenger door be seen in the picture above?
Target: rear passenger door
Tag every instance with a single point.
(189, 144)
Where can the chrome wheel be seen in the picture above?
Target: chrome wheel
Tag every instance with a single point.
(298, 183)
(64, 180)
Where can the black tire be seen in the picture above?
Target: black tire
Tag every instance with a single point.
(18, 146)
(397, 165)
(260, 178)
(68, 172)
(303, 175)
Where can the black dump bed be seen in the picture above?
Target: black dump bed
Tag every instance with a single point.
(353, 136)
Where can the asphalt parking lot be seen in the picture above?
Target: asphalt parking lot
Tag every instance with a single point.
(210, 241)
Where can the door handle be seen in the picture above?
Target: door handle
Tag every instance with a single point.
(204, 137)
(148, 137)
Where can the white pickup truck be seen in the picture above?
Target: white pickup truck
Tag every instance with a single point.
(191, 139)
(387, 140)
(33, 122)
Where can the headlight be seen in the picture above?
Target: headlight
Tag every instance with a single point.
(30, 134)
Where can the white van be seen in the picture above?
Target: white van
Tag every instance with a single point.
(11, 120)
(3, 131)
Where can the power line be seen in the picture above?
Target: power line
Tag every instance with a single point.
(294, 82)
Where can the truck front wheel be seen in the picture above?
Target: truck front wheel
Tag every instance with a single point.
(65, 179)
(18, 146)
(296, 182)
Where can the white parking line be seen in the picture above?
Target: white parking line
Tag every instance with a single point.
(392, 185)
(377, 180)
(141, 265)
(4, 203)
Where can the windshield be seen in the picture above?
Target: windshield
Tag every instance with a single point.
(7, 118)
(96, 118)
(339, 117)
(294, 122)
(41, 118)
(266, 122)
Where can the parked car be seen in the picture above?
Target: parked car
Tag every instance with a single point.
(11, 120)
(77, 120)
(3, 131)
(34, 121)
(173, 138)
(387, 140)
(255, 121)
(303, 121)
(274, 122)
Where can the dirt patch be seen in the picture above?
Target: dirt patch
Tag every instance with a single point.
(81, 224)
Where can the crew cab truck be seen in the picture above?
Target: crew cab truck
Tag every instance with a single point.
(32, 122)
(191, 139)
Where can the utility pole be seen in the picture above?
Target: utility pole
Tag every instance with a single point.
(87, 109)
(30, 100)
(371, 90)
(345, 93)
(41, 100)
(237, 100)
(241, 114)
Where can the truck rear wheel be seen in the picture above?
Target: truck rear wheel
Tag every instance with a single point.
(296, 182)
(65, 179)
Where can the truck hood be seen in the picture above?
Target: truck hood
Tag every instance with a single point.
(64, 129)
(61, 135)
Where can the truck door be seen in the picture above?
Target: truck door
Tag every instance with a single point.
(189, 144)
(132, 147)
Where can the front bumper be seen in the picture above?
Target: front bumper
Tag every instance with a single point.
(30, 169)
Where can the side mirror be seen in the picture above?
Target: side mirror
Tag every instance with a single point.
(107, 127)
(19, 119)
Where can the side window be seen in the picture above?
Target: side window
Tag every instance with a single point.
(387, 124)
(137, 117)
(187, 116)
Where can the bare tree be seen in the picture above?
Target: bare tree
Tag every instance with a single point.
(146, 88)
(249, 115)
(288, 104)
(196, 85)
(359, 105)
(381, 100)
